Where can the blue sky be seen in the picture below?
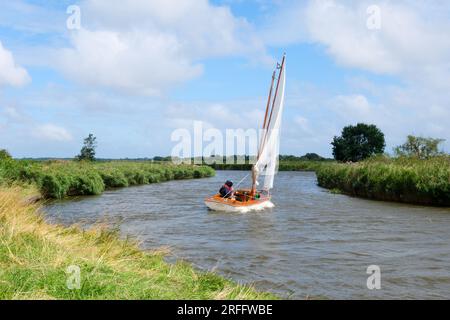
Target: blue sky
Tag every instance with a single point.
(132, 74)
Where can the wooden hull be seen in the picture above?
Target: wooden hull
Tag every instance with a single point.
(217, 203)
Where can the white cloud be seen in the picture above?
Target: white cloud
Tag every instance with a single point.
(12, 113)
(132, 62)
(354, 106)
(303, 124)
(146, 47)
(412, 42)
(10, 72)
(52, 132)
(342, 29)
(243, 114)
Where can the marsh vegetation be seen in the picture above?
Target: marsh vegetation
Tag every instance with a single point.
(58, 179)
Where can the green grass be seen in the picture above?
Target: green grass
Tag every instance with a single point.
(58, 179)
(34, 257)
(406, 180)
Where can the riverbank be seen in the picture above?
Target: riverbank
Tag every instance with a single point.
(35, 257)
(58, 179)
(424, 182)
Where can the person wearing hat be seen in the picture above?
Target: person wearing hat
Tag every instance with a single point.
(226, 191)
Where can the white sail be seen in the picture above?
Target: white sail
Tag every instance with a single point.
(267, 163)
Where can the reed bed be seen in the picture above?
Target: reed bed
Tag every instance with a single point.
(402, 179)
(58, 179)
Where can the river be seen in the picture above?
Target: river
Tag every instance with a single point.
(313, 244)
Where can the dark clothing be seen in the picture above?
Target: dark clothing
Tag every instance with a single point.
(226, 191)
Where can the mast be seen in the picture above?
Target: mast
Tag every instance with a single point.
(266, 124)
(267, 111)
(274, 99)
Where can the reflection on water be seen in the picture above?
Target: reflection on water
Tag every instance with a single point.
(312, 244)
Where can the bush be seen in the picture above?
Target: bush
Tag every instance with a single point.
(113, 178)
(53, 186)
(5, 155)
(86, 183)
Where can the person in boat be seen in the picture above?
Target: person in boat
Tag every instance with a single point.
(226, 191)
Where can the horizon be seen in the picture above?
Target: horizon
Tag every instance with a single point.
(131, 77)
(164, 156)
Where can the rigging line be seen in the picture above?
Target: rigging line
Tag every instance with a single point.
(239, 183)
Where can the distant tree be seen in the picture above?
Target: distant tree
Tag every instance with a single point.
(88, 150)
(358, 143)
(4, 155)
(312, 157)
(308, 157)
(159, 158)
(420, 147)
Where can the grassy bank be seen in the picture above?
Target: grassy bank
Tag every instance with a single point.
(57, 179)
(34, 257)
(406, 180)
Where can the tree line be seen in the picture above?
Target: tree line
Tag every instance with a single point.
(355, 143)
(362, 141)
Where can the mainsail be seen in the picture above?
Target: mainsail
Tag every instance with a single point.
(267, 160)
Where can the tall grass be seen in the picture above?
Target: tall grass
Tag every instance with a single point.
(34, 257)
(403, 179)
(58, 179)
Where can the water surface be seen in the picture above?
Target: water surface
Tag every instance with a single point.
(312, 244)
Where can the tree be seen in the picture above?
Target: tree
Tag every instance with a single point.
(307, 157)
(312, 157)
(159, 158)
(88, 150)
(358, 143)
(4, 155)
(420, 147)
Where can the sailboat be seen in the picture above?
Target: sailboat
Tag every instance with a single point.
(245, 200)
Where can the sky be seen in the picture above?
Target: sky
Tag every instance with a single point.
(133, 72)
